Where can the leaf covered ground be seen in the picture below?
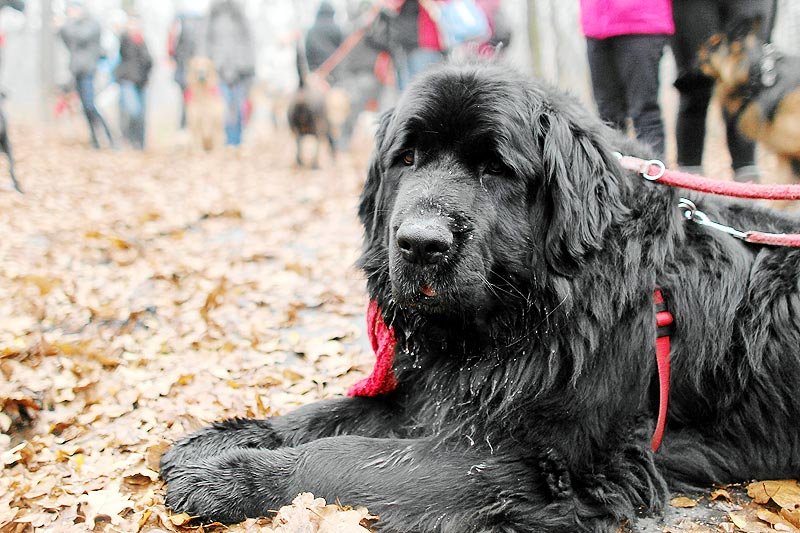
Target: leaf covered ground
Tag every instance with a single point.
(145, 295)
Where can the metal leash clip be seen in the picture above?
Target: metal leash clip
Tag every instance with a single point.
(768, 74)
(690, 212)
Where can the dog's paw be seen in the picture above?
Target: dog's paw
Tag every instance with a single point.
(556, 475)
(216, 439)
(227, 488)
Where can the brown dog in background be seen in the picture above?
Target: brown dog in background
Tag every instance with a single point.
(760, 87)
(205, 109)
(308, 116)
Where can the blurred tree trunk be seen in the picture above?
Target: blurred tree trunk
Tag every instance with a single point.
(534, 38)
(46, 64)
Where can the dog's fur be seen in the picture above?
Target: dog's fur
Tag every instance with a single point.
(769, 115)
(525, 361)
(205, 108)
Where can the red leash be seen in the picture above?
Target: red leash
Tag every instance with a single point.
(654, 170)
(383, 381)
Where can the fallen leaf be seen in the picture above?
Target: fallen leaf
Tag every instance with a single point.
(748, 523)
(180, 519)
(785, 493)
(104, 503)
(682, 502)
(777, 521)
(717, 494)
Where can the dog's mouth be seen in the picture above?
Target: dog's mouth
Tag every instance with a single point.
(428, 291)
(441, 290)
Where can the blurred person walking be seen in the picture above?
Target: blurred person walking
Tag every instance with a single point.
(499, 27)
(19, 5)
(695, 22)
(185, 40)
(625, 41)
(132, 73)
(406, 30)
(81, 34)
(229, 43)
(323, 38)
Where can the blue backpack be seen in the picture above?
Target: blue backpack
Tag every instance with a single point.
(459, 21)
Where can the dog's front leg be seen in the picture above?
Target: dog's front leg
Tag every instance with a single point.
(412, 484)
(372, 417)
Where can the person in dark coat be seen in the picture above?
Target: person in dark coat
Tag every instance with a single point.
(185, 40)
(406, 30)
(132, 73)
(229, 42)
(323, 38)
(81, 35)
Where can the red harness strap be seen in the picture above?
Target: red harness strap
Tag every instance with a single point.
(383, 381)
(664, 323)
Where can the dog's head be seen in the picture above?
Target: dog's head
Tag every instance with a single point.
(728, 57)
(200, 71)
(483, 186)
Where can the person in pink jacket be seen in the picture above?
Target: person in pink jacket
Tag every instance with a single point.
(625, 40)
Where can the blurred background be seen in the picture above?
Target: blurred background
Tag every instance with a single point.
(181, 255)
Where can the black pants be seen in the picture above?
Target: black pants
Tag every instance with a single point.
(85, 86)
(695, 22)
(624, 72)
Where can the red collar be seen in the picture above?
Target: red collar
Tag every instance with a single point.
(382, 379)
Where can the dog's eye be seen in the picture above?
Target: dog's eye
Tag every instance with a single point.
(408, 158)
(495, 167)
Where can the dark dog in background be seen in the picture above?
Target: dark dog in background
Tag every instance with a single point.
(516, 261)
(761, 88)
(5, 146)
(308, 114)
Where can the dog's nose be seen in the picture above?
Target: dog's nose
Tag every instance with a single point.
(424, 242)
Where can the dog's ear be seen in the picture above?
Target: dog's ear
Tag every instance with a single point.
(369, 209)
(743, 28)
(581, 187)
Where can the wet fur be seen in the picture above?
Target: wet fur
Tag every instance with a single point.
(527, 387)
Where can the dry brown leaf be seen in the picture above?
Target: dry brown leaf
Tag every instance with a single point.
(777, 521)
(748, 522)
(682, 502)
(104, 503)
(717, 494)
(9, 457)
(793, 517)
(154, 453)
(785, 493)
(180, 519)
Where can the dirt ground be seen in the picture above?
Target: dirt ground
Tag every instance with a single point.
(145, 295)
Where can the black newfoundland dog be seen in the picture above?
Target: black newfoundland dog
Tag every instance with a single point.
(516, 261)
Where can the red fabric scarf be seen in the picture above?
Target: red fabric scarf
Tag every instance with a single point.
(381, 380)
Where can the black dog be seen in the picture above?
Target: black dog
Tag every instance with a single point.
(308, 116)
(5, 146)
(517, 261)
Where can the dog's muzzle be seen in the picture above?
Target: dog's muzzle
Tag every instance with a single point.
(424, 242)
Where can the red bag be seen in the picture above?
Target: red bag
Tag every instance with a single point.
(384, 69)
